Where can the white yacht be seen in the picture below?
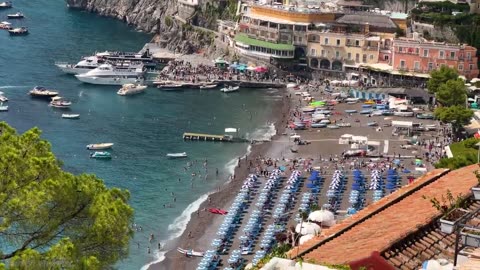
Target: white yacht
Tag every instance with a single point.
(109, 74)
(85, 65)
(131, 89)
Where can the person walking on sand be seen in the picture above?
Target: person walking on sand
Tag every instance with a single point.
(190, 234)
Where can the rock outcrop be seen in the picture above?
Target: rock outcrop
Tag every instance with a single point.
(178, 27)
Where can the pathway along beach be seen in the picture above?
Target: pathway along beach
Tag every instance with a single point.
(204, 224)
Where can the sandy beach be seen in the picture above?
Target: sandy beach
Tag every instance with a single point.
(204, 224)
(323, 151)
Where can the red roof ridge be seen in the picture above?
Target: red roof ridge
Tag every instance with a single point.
(366, 212)
(392, 220)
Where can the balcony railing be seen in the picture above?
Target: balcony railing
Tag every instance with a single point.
(406, 52)
(352, 45)
(370, 48)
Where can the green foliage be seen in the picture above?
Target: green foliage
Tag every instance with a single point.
(464, 154)
(451, 93)
(457, 115)
(52, 219)
(168, 21)
(447, 202)
(279, 251)
(439, 77)
(338, 266)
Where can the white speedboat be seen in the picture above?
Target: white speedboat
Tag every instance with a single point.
(84, 66)
(70, 116)
(230, 89)
(3, 98)
(208, 86)
(5, 25)
(131, 89)
(99, 146)
(3, 108)
(177, 155)
(17, 15)
(20, 31)
(108, 74)
(59, 102)
(42, 92)
(6, 4)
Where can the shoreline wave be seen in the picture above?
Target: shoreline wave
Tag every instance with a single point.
(177, 228)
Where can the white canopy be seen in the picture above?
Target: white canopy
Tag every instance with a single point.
(324, 216)
(406, 124)
(307, 228)
(359, 139)
(474, 80)
(305, 238)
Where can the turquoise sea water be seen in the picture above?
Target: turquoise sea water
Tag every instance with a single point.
(144, 128)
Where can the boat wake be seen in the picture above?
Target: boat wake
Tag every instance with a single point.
(12, 86)
(264, 133)
(177, 228)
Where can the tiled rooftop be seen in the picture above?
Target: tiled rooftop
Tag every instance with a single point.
(385, 223)
(425, 244)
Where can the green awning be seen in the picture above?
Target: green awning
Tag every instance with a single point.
(243, 38)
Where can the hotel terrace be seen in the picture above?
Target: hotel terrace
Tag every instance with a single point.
(284, 33)
(329, 38)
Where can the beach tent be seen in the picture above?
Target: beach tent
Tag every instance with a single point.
(251, 68)
(307, 228)
(326, 217)
(305, 238)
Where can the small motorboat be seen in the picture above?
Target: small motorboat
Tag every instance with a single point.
(3, 98)
(131, 89)
(318, 125)
(344, 124)
(350, 111)
(351, 100)
(190, 252)
(230, 89)
(20, 31)
(5, 25)
(70, 116)
(101, 155)
(17, 15)
(367, 106)
(170, 86)
(177, 155)
(99, 146)
(6, 4)
(308, 109)
(208, 86)
(333, 127)
(59, 102)
(42, 92)
(372, 124)
(325, 121)
(3, 108)
(366, 111)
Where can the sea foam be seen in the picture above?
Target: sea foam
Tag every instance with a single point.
(177, 228)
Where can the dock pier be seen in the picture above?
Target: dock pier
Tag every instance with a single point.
(189, 136)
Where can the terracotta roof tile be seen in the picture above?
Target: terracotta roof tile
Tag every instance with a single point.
(368, 211)
(381, 226)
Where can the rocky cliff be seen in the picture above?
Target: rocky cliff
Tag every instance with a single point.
(168, 19)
